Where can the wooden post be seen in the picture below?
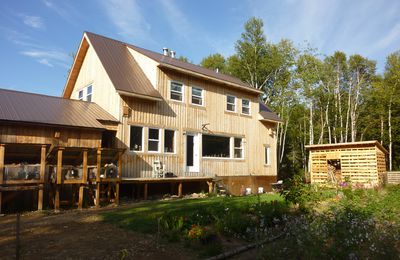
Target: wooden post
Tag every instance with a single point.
(42, 173)
(97, 202)
(145, 191)
(210, 186)
(119, 177)
(84, 178)
(17, 239)
(180, 189)
(1, 170)
(59, 176)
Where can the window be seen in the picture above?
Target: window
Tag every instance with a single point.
(267, 155)
(176, 92)
(169, 141)
(238, 147)
(246, 106)
(197, 96)
(80, 95)
(230, 103)
(154, 140)
(89, 93)
(136, 138)
(86, 93)
(216, 146)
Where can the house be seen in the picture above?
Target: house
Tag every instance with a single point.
(48, 143)
(198, 123)
(358, 162)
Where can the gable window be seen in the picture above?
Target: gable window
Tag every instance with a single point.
(216, 146)
(169, 141)
(238, 147)
(230, 103)
(136, 139)
(246, 106)
(176, 91)
(197, 96)
(89, 93)
(80, 95)
(267, 155)
(154, 140)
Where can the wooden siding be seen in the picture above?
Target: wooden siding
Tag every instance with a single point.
(28, 134)
(93, 73)
(359, 164)
(187, 118)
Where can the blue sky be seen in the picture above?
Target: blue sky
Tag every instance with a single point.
(38, 36)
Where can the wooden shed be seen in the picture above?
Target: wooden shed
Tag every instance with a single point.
(359, 162)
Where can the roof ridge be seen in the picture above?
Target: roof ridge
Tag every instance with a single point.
(157, 53)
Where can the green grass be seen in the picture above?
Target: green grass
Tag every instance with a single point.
(143, 217)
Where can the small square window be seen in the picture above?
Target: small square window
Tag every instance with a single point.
(80, 95)
(246, 106)
(89, 93)
(197, 96)
(230, 103)
(176, 91)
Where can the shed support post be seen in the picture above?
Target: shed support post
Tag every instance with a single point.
(119, 177)
(42, 173)
(180, 189)
(84, 178)
(210, 186)
(2, 149)
(97, 201)
(145, 191)
(58, 179)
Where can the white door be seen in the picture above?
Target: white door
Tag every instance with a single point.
(192, 152)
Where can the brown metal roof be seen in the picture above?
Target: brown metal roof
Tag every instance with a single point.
(122, 69)
(26, 107)
(347, 145)
(267, 114)
(116, 61)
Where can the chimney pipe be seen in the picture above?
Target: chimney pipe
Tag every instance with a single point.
(172, 54)
(165, 51)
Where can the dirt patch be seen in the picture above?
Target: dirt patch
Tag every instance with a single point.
(80, 235)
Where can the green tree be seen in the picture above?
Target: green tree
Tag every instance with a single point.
(215, 62)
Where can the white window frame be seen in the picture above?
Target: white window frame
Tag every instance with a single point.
(227, 103)
(89, 94)
(267, 155)
(201, 97)
(129, 144)
(80, 97)
(238, 148)
(218, 158)
(249, 107)
(158, 140)
(182, 92)
(174, 143)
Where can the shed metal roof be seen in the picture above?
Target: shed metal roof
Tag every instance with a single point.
(347, 145)
(267, 114)
(23, 107)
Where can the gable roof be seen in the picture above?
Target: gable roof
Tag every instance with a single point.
(23, 107)
(267, 114)
(128, 78)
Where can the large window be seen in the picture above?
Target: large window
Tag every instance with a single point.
(197, 96)
(230, 103)
(216, 146)
(136, 138)
(238, 147)
(176, 91)
(154, 140)
(169, 141)
(246, 106)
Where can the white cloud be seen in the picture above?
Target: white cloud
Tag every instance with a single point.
(64, 9)
(35, 22)
(49, 57)
(390, 38)
(128, 17)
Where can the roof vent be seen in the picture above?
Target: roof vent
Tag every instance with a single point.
(172, 54)
(165, 51)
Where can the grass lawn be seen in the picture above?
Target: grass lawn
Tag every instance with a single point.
(144, 216)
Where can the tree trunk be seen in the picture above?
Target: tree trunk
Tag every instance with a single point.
(382, 129)
(348, 114)
(327, 123)
(390, 134)
(311, 123)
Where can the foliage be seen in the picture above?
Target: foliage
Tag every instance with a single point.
(214, 62)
